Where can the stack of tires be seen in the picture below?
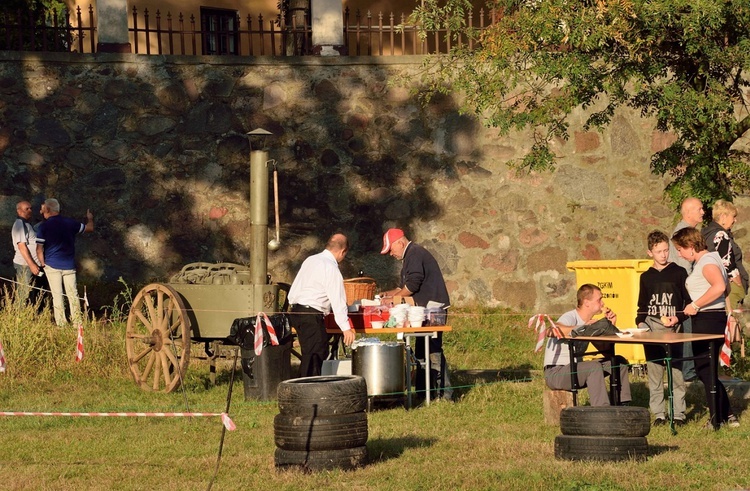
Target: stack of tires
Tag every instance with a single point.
(606, 433)
(322, 423)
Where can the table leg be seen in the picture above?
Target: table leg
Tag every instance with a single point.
(427, 368)
(408, 372)
(670, 387)
(614, 382)
(712, 358)
(573, 374)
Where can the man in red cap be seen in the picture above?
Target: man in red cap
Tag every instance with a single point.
(422, 280)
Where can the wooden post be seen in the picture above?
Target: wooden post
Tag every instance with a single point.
(554, 402)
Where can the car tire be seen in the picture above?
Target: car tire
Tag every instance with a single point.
(607, 421)
(600, 448)
(318, 460)
(320, 432)
(322, 396)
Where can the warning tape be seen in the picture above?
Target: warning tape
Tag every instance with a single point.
(225, 419)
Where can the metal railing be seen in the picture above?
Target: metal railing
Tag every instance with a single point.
(364, 34)
(46, 30)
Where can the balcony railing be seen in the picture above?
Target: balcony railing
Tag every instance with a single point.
(364, 34)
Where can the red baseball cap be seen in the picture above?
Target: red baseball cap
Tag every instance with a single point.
(391, 236)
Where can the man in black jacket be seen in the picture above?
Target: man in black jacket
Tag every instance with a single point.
(422, 280)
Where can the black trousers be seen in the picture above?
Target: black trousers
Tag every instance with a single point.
(313, 339)
(709, 322)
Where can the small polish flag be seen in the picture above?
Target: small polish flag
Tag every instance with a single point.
(79, 344)
(227, 421)
(258, 337)
(269, 328)
(2, 359)
(725, 357)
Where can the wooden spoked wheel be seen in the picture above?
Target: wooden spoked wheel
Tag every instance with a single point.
(158, 338)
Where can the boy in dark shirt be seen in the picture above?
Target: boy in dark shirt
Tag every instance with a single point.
(661, 300)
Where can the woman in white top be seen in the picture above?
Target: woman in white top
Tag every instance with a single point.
(707, 286)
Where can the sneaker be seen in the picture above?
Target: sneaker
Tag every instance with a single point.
(660, 422)
(680, 422)
(732, 421)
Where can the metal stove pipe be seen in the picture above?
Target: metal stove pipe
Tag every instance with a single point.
(258, 217)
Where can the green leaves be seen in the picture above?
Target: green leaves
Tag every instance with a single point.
(679, 61)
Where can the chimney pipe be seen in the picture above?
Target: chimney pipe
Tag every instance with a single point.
(258, 209)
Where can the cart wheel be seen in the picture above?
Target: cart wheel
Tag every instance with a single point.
(158, 338)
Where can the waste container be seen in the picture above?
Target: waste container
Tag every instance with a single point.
(262, 374)
(619, 282)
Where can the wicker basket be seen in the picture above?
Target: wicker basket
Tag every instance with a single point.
(359, 288)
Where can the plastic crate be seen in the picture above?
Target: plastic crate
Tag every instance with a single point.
(619, 281)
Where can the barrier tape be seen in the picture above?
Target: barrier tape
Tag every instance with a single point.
(79, 343)
(258, 336)
(225, 419)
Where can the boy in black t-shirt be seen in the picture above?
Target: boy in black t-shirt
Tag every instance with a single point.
(661, 300)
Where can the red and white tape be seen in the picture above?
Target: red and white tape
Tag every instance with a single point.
(79, 343)
(225, 419)
(258, 336)
(538, 323)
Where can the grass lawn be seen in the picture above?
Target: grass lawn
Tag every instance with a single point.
(492, 437)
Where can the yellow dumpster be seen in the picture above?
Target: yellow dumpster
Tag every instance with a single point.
(619, 282)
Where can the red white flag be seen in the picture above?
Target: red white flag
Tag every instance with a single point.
(259, 319)
(725, 357)
(258, 337)
(79, 343)
(227, 421)
(2, 359)
(269, 328)
(540, 326)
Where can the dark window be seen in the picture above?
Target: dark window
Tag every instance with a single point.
(219, 27)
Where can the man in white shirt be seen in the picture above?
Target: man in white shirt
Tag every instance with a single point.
(317, 290)
(591, 373)
(24, 244)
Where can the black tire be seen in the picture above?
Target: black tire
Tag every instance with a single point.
(321, 432)
(347, 459)
(322, 396)
(605, 421)
(600, 448)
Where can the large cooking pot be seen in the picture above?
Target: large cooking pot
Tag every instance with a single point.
(382, 365)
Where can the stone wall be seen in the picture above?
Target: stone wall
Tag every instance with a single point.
(156, 147)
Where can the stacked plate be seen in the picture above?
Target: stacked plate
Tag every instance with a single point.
(416, 316)
(400, 313)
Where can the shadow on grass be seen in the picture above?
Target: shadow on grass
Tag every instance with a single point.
(654, 450)
(465, 380)
(384, 449)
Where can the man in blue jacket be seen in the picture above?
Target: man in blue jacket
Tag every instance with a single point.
(55, 248)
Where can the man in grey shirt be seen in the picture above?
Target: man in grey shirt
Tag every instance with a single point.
(692, 213)
(25, 260)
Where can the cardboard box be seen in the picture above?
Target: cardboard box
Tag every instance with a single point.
(336, 367)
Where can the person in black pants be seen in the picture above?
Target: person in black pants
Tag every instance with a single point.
(707, 285)
(422, 280)
(317, 290)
